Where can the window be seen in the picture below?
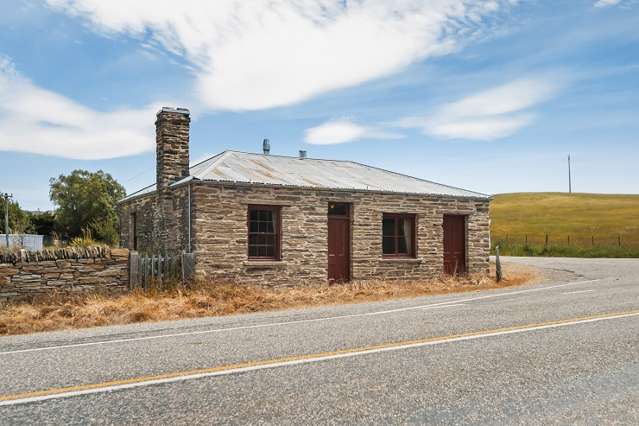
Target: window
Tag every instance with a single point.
(264, 232)
(338, 209)
(398, 235)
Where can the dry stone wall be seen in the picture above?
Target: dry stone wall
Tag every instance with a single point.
(25, 275)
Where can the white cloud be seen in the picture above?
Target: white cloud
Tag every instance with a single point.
(491, 114)
(39, 121)
(342, 131)
(606, 3)
(260, 54)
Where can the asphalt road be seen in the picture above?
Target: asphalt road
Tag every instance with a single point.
(566, 351)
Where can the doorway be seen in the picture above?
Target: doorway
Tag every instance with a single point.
(339, 242)
(454, 244)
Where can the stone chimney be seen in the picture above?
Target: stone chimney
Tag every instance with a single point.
(172, 146)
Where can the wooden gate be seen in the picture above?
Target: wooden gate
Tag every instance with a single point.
(159, 271)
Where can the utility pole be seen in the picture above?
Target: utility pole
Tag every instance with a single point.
(569, 177)
(6, 216)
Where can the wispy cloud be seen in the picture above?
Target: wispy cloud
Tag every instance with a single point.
(268, 53)
(39, 121)
(606, 3)
(344, 130)
(491, 114)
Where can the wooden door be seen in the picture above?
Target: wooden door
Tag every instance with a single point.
(339, 265)
(454, 244)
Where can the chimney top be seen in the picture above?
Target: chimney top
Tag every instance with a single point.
(178, 110)
(266, 147)
(302, 154)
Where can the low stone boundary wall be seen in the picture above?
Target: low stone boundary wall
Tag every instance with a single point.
(25, 275)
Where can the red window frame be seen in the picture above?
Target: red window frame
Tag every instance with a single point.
(411, 249)
(276, 234)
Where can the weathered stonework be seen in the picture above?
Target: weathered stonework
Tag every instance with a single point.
(209, 218)
(69, 271)
(219, 232)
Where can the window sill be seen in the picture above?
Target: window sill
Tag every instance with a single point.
(401, 260)
(264, 264)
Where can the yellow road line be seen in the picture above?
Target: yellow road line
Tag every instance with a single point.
(107, 386)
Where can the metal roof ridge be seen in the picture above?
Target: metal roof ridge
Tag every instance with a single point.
(211, 166)
(417, 178)
(293, 157)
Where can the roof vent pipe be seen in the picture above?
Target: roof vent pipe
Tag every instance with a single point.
(302, 154)
(266, 147)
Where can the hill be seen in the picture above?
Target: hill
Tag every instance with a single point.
(595, 224)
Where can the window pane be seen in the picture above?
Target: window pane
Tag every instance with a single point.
(401, 227)
(388, 245)
(262, 236)
(388, 225)
(402, 245)
(338, 209)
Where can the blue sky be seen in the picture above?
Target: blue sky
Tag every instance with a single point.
(489, 96)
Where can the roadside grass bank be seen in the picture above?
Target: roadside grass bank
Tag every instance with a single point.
(205, 299)
(565, 225)
(527, 250)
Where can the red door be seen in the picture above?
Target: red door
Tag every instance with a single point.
(454, 244)
(339, 248)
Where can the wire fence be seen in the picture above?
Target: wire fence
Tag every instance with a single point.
(567, 240)
(24, 241)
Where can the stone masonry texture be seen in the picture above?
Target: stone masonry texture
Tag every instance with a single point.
(209, 219)
(25, 276)
(219, 232)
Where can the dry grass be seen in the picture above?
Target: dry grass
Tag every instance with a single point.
(224, 299)
(604, 217)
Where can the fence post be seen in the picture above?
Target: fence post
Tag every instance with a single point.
(568, 239)
(134, 269)
(526, 241)
(593, 240)
(497, 265)
(546, 243)
(619, 240)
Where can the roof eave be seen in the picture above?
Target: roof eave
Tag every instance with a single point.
(478, 196)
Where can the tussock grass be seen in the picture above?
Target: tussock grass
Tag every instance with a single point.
(577, 225)
(206, 299)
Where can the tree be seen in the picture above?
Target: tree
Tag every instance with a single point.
(87, 201)
(19, 220)
(42, 223)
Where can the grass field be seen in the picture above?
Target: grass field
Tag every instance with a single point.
(582, 225)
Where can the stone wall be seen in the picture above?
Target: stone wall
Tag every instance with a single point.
(162, 223)
(28, 275)
(219, 233)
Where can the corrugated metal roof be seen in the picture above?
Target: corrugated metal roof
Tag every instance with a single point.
(234, 166)
(242, 167)
(144, 191)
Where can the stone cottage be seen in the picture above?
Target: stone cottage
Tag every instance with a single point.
(280, 220)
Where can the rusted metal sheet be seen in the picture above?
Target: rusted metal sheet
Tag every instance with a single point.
(234, 166)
